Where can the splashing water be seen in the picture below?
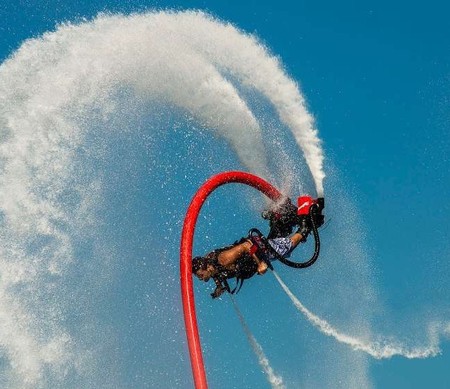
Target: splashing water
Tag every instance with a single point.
(275, 381)
(76, 106)
(378, 350)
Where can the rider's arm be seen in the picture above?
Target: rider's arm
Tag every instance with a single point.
(220, 288)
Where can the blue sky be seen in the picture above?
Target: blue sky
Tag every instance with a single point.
(377, 79)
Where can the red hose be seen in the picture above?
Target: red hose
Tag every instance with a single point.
(187, 240)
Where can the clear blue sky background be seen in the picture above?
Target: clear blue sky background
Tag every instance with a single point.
(377, 78)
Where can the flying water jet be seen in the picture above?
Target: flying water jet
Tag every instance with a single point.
(275, 381)
(379, 349)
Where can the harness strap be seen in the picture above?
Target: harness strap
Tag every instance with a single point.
(258, 247)
(239, 283)
(242, 272)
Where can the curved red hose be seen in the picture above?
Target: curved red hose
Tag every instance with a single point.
(187, 240)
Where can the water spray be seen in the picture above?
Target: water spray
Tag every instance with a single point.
(379, 350)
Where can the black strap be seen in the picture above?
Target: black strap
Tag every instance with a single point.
(239, 283)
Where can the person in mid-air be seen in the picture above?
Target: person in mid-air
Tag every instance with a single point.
(249, 256)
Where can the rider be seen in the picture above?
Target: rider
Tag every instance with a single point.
(247, 256)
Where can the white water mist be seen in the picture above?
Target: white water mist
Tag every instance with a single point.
(378, 349)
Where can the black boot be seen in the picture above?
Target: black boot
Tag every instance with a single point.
(304, 229)
(282, 219)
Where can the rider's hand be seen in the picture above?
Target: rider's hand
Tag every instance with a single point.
(218, 292)
(262, 268)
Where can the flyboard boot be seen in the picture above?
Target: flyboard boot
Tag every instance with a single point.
(285, 216)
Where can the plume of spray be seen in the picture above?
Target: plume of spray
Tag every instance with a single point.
(378, 349)
(58, 90)
(247, 60)
(275, 381)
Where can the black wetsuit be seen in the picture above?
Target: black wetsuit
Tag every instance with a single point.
(244, 267)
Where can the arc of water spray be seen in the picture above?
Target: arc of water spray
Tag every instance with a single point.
(275, 381)
(378, 350)
(58, 89)
(248, 60)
